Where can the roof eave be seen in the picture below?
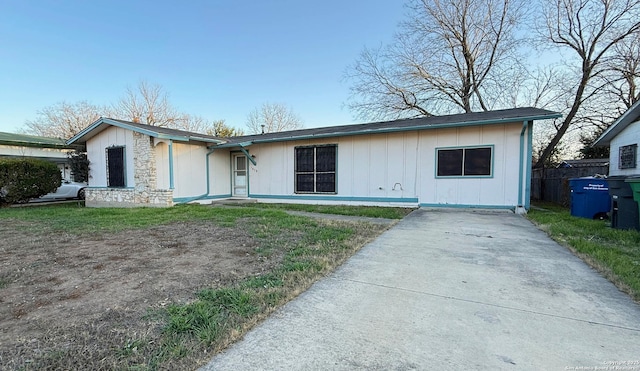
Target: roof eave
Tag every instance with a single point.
(397, 129)
(628, 117)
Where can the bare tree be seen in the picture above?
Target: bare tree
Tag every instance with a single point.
(590, 31)
(271, 118)
(448, 56)
(64, 120)
(149, 104)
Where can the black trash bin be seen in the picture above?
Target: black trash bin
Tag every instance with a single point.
(624, 209)
(589, 197)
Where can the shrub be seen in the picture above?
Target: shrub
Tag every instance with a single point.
(79, 166)
(24, 179)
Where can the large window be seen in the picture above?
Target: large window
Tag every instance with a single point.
(472, 161)
(627, 157)
(316, 169)
(115, 167)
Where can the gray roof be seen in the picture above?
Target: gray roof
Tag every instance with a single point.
(153, 131)
(630, 116)
(423, 123)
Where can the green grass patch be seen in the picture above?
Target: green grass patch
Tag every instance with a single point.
(366, 211)
(183, 335)
(614, 252)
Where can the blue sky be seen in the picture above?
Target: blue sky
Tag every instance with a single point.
(219, 59)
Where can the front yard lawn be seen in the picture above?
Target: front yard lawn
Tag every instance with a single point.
(613, 252)
(147, 289)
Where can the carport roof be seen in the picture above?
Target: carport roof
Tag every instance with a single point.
(24, 140)
(422, 123)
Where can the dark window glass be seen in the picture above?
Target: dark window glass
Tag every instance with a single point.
(450, 162)
(115, 167)
(464, 162)
(304, 183)
(326, 158)
(326, 182)
(477, 161)
(316, 169)
(627, 159)
(304, 159)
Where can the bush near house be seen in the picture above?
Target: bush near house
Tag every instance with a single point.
(24, 179)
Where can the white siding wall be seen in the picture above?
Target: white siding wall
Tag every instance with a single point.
(630, 135)
(189, 167)
(220, 173)
(399, 167)
(162, 165)
(499, 190)
(112, 136)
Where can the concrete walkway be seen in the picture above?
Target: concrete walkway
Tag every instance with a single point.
(451, 290)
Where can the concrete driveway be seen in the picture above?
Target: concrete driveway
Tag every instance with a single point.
(451, 290)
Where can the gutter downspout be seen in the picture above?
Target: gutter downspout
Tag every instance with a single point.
(208, 172)
(171, 184)
(527, 193)
(520, 208)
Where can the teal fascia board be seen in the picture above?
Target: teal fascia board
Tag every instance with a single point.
(410, 128)
(233, 145)
(338, 198)
(465, 206)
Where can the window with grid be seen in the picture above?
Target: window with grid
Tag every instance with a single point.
(458, 162)
(627, 157)
(115, 167)
(315, 169)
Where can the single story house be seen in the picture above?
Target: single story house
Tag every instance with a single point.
(623, 137)
(478, 159)
(30, 146)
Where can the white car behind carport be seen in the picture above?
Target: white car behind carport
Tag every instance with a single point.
(66, 190)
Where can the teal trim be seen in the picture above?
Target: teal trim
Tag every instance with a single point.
(521, 164)
(233, 173)
(151, 133)
(527, 193)
(465, 206)
(392, 130)
(182, 200)
(246, 153)
(493, 151)
(338, 198)
(171, 184)
(207, 171)
(106, 187)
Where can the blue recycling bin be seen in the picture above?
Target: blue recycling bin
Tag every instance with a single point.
(590, 197)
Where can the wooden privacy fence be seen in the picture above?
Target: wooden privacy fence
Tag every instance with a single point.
(553, 184)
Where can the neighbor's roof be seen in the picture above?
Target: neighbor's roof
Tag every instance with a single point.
(153, 131)
(630, 116)
(32, 141)
(423, 123)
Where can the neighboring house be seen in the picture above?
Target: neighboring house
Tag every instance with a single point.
(466, 160)
(29, 146)
(623, 137)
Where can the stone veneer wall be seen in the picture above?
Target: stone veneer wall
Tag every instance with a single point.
(144, 192)
(127, 197)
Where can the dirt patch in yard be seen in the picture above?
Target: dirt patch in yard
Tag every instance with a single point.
(57, 288)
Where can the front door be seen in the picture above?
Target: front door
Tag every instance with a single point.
(239, 175)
